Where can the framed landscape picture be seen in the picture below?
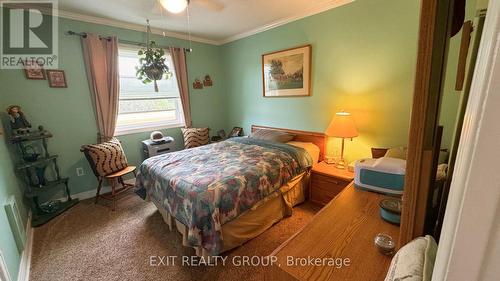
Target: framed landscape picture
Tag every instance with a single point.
(287, 73)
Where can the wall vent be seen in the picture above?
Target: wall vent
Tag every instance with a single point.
(16, 224)
(4, 274)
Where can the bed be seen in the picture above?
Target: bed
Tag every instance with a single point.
(223, 194)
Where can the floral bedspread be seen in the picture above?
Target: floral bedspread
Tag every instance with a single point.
(208, 186)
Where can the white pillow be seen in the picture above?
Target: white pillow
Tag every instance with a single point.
(414, 261)
(310, 147)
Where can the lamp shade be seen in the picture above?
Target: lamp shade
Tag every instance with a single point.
(342, 126)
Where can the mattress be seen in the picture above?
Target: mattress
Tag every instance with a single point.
(254, 221)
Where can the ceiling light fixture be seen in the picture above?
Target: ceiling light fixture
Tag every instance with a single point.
(174, 6)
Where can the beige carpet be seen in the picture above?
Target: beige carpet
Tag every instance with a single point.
(89, 242)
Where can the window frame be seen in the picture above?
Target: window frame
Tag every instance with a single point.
(179, 121)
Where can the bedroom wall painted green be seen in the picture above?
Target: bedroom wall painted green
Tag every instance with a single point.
(363, 61)
(68, 113)
(9, 186)
(365, 66)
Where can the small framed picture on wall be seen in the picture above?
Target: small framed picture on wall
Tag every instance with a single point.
(34, 71)
(57, 79)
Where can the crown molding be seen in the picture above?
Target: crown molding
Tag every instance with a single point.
(319, 9)
(137, 27)
(132, 26)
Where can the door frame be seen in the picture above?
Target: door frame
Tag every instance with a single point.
(469, 243)
(435, 27)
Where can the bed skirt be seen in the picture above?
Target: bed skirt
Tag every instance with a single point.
(253, 222)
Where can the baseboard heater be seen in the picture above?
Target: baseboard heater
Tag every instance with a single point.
(16, 223)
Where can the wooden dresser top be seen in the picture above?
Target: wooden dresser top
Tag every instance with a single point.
(345, 228)
(330, 170)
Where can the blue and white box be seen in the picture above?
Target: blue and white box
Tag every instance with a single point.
(384, 175)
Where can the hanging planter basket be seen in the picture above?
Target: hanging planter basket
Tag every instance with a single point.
(152, 65)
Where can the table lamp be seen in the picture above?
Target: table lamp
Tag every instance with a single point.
(342, 126)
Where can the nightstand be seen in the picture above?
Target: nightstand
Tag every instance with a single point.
(327, 181)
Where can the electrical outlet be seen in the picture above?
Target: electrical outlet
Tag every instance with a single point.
(80, 172)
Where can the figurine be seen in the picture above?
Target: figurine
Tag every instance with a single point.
(18, 122)
(208, 81)
(197, 84)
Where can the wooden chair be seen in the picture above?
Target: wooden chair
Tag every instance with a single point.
(114, 179)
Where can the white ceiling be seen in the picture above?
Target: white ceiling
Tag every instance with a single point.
(238, 19)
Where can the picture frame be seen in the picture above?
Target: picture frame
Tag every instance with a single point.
(235, 132)
(34, 71)
(287, 73)
(57, 78)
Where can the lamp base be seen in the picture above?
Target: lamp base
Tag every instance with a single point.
(341, 164)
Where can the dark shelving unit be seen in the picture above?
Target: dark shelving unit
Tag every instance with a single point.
(33, 172)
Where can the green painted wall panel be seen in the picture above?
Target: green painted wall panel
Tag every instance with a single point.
(363, 61)
(68, 112)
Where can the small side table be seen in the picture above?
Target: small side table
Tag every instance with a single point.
(327, 181)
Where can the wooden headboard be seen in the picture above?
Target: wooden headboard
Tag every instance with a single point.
(318, 139)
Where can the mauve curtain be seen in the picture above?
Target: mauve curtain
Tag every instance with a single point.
(179, 60)
(101, 62)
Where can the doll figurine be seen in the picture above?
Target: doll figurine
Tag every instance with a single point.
(18, 121)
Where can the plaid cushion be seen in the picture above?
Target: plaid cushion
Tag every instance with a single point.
(194, 137)
(108, 157)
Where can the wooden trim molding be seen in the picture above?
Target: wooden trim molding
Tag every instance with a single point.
(327, 5)
(322, 7)
(467, 29)
(435, 26)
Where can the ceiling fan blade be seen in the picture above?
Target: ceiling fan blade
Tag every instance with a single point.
(157, 8)
(209, 4)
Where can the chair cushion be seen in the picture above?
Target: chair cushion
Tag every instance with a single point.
(108, 157)
(194, 137)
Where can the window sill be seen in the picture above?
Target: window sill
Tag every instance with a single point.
(129, 131)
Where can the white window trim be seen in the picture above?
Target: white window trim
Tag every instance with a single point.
(145, 127)
(153, 127)
(134, 129)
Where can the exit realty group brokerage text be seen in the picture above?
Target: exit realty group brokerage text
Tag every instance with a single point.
(237, 261)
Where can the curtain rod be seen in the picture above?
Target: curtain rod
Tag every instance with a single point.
(84, 34)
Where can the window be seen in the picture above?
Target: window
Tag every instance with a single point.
(140, 107)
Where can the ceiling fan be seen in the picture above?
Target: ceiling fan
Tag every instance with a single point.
(177, 6)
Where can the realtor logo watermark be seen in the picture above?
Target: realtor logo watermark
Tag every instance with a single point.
(28, 34)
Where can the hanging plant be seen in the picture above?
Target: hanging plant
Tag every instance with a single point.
(152, 65)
